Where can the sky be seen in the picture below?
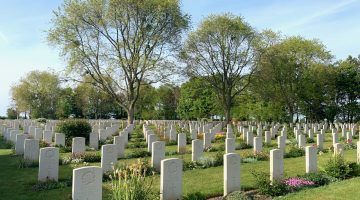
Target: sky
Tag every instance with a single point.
(23, 26)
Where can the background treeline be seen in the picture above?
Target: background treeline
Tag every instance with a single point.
(118, 51)
(322, 91)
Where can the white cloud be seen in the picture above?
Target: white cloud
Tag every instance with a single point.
(317, 15)
(3, 38)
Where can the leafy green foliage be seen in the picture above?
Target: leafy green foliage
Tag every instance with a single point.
(74, 128)
(221, 51)
(129, 183)
(50, 185)
(318, 178)
(294, 152)
(195, 196)
(196, 100)
(276, 188)
(237, 195)
(338, 168)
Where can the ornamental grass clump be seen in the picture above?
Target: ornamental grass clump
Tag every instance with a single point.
(129, 183)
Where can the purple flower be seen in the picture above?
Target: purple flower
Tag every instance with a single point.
(298, 182)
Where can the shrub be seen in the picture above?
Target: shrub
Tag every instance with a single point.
(259, 156)
(65, 149)
(294, 152)
(349, 146)
(276, 188)
(242, 145)
(355, 169)
(206, 162)
(249, 160)
(74, 128)
(211, 149)
(318, 178)
(170, 143)
(310, 140)
(137, 144)
(219, 159)
(106, 141)
(50, 185)
(337, 167)
(92, 157)
(25, 163)
(77, 158)
(269, 145)
(237, 195)
(43, 144)
(220, 137)
(139, 153)
(41, 120)
(9, 145)
(195, 196)
(190, 165)
(129, 183)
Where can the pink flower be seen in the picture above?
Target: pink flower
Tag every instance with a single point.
(298, 182)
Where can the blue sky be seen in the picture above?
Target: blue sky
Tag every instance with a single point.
(23, 24)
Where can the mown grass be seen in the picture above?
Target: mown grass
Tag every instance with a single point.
(17, 183)
(344, 190)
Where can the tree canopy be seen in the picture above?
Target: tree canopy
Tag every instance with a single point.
(119, 43)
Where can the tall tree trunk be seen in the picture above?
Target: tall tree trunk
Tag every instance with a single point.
(227, 113)
(131, 112)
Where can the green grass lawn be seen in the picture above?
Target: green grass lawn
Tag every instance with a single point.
(344, 190)
(17, 183)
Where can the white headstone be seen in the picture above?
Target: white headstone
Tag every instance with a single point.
(31, 150)
(339, 149)
(151, 138)
(94, 140)
(301, 141)
(19, 146)
(319, 141)
(59, 139)
(276, 164)
(311, 159)
(108, 157)
(267, 137)
(334, 138)
(358, 153)
(181, 143)
(47, 136)
(229, 145)
(38, 134)
(48, 164)
(87, 183)
(257, 144)
(171, 179)
(158, 154)
(197, 150)
(78, 145)
(231, 173)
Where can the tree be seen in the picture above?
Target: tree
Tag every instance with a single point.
(222, 51)
(197, 100)
(11, 113)
(316, 93)
(281, 69)
(66, 104)
(119, 43)
(146, 107)
(168, 100)
(37, 94)
(94, 103)
(348, 88)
